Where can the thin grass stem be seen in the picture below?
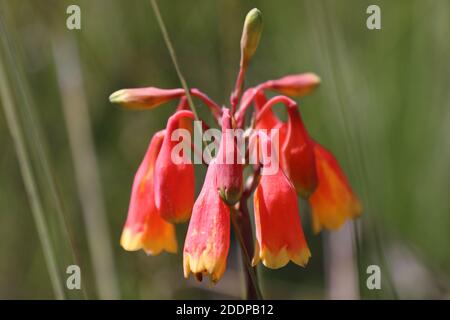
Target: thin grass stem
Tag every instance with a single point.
(173, 56)
(76, 115)
(29, 179)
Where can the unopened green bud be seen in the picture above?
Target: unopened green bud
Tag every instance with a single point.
(251, 34)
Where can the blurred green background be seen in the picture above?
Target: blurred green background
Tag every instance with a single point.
(383, 108)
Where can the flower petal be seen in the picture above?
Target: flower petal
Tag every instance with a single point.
(298, 156)
(333, 202)
(208, 237)
(279, 232)
(144, 228)
(174, 182)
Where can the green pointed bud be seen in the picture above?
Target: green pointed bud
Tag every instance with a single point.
(251, 34)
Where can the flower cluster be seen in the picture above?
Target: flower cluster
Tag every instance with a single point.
(163, 191)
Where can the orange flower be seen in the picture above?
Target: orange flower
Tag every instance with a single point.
(297, 158)
(144, 228)
(174, 182)
(279, 233)
(333, 202)
(208, 237)
(229, 164)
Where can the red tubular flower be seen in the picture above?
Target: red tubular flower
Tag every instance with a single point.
(279, 233)
(144, 98)
(297, 155)
(229, 164)
(184, 122)
(268, 120)
(174, 182)
(297, 158)
(296, 85)
(333, 202)
(208, 237)
(144, 228)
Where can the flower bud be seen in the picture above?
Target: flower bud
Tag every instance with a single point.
(296, 85)
(250, 35)
(144, 98)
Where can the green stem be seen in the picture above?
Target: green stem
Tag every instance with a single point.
(29, 181)
(173, 56)
(242, 229)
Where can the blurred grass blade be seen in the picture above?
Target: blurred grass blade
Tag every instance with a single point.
(338, 73)
(28, 176)
(38, 148)
(77, 120)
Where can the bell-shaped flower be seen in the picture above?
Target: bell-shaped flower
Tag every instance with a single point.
(279, 233)
(208, 237)
(174, 174)
(333, 202)
(229, 162)
(297, 158)
(268, 119)
(144, 228)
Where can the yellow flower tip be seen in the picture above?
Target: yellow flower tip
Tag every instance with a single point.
(336, 217)
(119, 96)
(276, 260)
(204, 265)
(155, 247)
(302, 257)
(256, 257)
(131, 241)
(182, 218)
(186, 265)
(314, 79)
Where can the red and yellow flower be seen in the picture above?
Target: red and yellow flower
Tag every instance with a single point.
(171, 177)
(163, 190)
(333, 202)
(279, 233)
(208, 237)
(144, 228)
